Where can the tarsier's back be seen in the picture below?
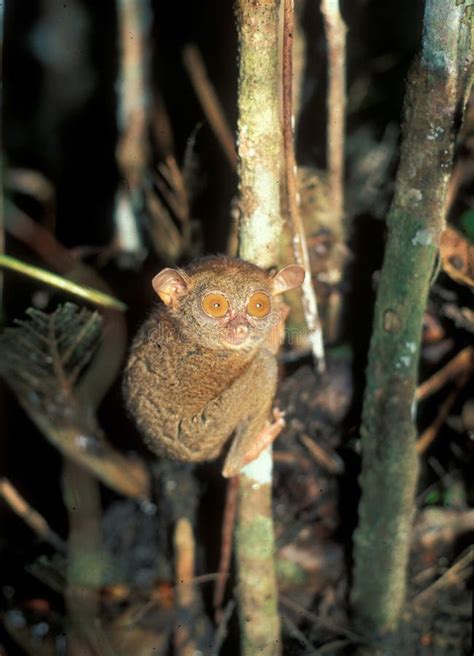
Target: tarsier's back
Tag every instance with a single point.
(202, 367)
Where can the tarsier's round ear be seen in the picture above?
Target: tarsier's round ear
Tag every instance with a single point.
(170, 285)
(287, 278)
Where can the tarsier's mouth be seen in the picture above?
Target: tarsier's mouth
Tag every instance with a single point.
(235, 341)
(235, 338)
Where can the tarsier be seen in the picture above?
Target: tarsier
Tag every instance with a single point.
(202, 368)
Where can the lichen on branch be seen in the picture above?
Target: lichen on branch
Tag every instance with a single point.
(259, 138)
(259, 144)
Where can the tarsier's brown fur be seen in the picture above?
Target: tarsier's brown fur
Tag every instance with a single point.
(192, 380)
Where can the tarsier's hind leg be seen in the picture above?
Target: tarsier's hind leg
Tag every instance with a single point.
(255, 432)
(244, 409)
(241, 410)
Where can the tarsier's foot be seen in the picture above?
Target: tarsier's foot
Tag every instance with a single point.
(267, 436)
(237, 459)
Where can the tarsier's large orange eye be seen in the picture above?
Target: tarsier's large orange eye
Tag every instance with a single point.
(215, 305)
(259, 305)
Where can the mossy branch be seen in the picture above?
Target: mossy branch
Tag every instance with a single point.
(435, 95)
(260, 155)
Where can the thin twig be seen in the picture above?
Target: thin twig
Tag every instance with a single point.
(39, 239)
(295, 632)
(335, 30)
(427, 437)
(228, 523)
(336, 647)
(221, 632)
(318, 620)
(210, 103)
(29, 515)
(456, 574)
(92, 295)
(461, 364)
(330, 461)
(172, 186)
(184, 634)
(166, 237)
(175, 193)
(140, 612)
(300, 247)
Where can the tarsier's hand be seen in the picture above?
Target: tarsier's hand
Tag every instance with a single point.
(248, 451)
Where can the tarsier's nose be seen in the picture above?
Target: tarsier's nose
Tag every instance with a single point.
(242, 329)
(237, 331)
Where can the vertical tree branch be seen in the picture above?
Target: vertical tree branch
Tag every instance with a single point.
(209, 101)
(435, 95)
(184, 546)
(260, 153)
(259, 134)
(300, 52)
(227, 534)
(134, 17)
(300, 247)
(335, 31)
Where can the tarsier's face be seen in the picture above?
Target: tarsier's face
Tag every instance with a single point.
(228, 305)
(235, 319)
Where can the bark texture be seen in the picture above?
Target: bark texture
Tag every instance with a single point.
(259, 131)
(260, 155)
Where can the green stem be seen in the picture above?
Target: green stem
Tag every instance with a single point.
(42, 275)
(435, 92)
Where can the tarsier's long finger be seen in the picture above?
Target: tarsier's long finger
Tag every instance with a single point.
(267, 436)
